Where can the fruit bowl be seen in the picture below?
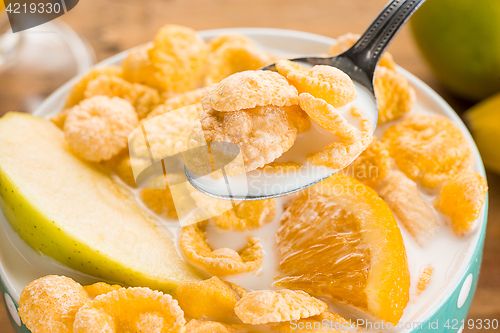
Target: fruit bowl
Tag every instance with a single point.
(442, 306)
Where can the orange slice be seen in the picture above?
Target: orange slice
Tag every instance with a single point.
(340, 239)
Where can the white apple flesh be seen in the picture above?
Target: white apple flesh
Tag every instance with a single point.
(78, 215)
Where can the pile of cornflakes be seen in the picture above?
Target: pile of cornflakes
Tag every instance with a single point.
(203, 93)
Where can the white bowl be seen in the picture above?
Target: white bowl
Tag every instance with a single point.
(452, 285)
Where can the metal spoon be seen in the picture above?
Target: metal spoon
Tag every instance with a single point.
(359, 62)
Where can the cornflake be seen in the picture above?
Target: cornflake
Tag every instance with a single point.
(462, 198)
(178, 57)
(231, 58)
(265, 306)
(206, 326)
(210, 298)
(247, 215)
(372, 165)
(326, 322)
(325, 82)
(250, 89)
(130, 310)
(338, 155)
(345, 42)
(100, 288)
(402, 196)
(394, 94)
(429, 149)
(229, 39)
(223, 261)
(77, 93)
(263, 133)
(281, 167)
(298, 118)
(97, 129)
(158, 198)
(49, 304)
(137, 68)
(424, 279)
(178, 101)
(327, 117)
(143, 98)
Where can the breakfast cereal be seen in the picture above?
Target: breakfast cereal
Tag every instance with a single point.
(97, 129)
(266, 306)
(248, 90)
(223, 261)
(247, 215)
(429, 149)
(325, 82)
(402, 196)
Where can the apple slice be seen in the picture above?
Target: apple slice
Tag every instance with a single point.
(76, 214)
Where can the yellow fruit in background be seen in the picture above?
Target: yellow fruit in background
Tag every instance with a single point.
(460, 39)
(484, 122)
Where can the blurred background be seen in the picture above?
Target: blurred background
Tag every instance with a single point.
(460, 41)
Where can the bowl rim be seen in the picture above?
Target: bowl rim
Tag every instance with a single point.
(58, 97)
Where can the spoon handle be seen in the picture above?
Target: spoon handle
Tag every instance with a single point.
(370, 47)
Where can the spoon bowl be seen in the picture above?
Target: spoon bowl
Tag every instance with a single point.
(359, 62)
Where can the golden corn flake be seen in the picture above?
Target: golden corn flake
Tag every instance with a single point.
(462, 198)
(178, 101)
(281, 167)
(345, 42)
(298, 118)
(429, 149)
(130, 310)
(238, 290)
(137, 68)
(338, 155)
(265, 306)
(178, 57)
(325, 82)
(263, 134)
(123, 169)
(49, 304)
(210, 298)
(232, 58)
(60, 118)
(402, 196)
(143, 98)
(100, 288)
(206, 326)
(77, 93)
(98, 127)
(424, 279)
(395, 96)
(249, 89)
(229, 39)
(247, 215)
(222, 261)
(327, 117)
(158, 198)
(372, 165)
(326, 322)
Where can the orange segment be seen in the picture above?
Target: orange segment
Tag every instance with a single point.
(339, 239)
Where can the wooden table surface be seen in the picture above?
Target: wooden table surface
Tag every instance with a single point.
(113, 26)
